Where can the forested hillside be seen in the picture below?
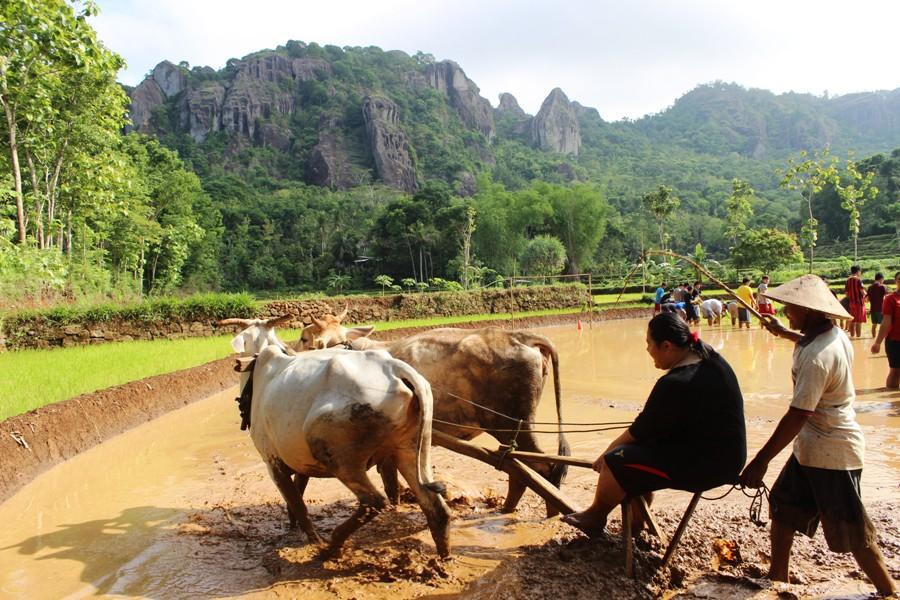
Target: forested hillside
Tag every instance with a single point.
(311, 166)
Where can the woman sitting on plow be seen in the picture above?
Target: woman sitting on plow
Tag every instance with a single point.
(689, 436)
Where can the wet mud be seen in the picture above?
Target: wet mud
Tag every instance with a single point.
(183, 507)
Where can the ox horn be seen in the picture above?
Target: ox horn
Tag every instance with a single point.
(343, 314)
(322, 325)
(277, 321)
(241, 322)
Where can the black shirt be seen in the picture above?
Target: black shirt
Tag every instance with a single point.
(695, 414)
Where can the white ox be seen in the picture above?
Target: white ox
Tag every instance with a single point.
(504, 371)
(336, 413)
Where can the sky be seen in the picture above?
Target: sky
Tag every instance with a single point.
(627, 58)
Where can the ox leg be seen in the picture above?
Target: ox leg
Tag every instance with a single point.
(436, 511)
(371, 502)
(388, 471)
(292, 492)
(526, 442)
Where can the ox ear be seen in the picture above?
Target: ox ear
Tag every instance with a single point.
(237, 343)
(359, 332)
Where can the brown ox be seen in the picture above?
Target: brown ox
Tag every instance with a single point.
(328, 331)
(504, 371)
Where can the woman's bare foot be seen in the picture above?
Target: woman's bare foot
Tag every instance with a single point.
(586, 523)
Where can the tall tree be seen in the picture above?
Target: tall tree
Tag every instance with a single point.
(661, 203)
(739, 208)
(854, 189)
(51, 69)
(578, 220)
(809, 175)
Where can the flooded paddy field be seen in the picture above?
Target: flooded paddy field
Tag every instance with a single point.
(183, 507)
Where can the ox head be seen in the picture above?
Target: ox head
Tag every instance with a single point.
(328, 331)
(256, 335)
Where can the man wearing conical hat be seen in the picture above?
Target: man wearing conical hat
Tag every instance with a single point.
(820, 482)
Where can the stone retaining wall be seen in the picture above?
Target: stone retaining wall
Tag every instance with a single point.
(42, 333)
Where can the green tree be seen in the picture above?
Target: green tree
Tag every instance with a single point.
(809, 175)
(739, 208)
(661, 203)
(56, 79)
(384, 281)
(338, 281)
(578, 219)
(766, 249)
(544, 255)
(853, 194)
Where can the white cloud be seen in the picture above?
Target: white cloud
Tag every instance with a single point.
(624, 58)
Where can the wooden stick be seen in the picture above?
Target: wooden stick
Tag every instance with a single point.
(625, 284)
(513, 466)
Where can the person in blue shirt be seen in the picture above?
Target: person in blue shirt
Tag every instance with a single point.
(660, 291)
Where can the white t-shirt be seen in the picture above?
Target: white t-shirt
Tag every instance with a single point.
(711, 308)
(823, 385)
(761, 289)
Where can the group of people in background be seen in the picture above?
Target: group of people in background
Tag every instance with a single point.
(687, 301)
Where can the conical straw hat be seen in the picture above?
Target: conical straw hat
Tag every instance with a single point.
(809, 291)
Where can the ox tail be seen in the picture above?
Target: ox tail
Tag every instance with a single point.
(425, 401)
(559, 471)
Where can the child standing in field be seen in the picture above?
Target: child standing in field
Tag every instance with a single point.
(875, 293)
(745, 293)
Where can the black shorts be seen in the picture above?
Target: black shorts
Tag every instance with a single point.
(803, 496)
(640, 468)
(892, 349)
(743, 315)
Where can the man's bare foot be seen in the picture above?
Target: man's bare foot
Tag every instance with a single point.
(589, 526)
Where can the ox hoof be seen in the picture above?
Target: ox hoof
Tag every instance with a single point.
(330, 552)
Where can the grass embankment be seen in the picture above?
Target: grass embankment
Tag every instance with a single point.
(30, 379)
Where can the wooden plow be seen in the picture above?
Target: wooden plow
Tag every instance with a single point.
(510, 461)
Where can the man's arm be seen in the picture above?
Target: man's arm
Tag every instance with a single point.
(788, 428)
(882, 333)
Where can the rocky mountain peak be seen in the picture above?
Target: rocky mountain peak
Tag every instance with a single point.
(509, 104)
(448, 78)
(555, 127)
(169, 77)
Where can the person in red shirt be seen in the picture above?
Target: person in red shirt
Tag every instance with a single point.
(889, 333)
(875, 294)
(856, 295)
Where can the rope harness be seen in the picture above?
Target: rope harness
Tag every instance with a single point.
(757, 497)
(244, 401)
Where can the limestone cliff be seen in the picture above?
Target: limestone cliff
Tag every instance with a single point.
(509, 104)
(555, 127)
(448, 78)
(165, 81)
(389, 144)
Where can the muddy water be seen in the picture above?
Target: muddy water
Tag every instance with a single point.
(182, 506)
